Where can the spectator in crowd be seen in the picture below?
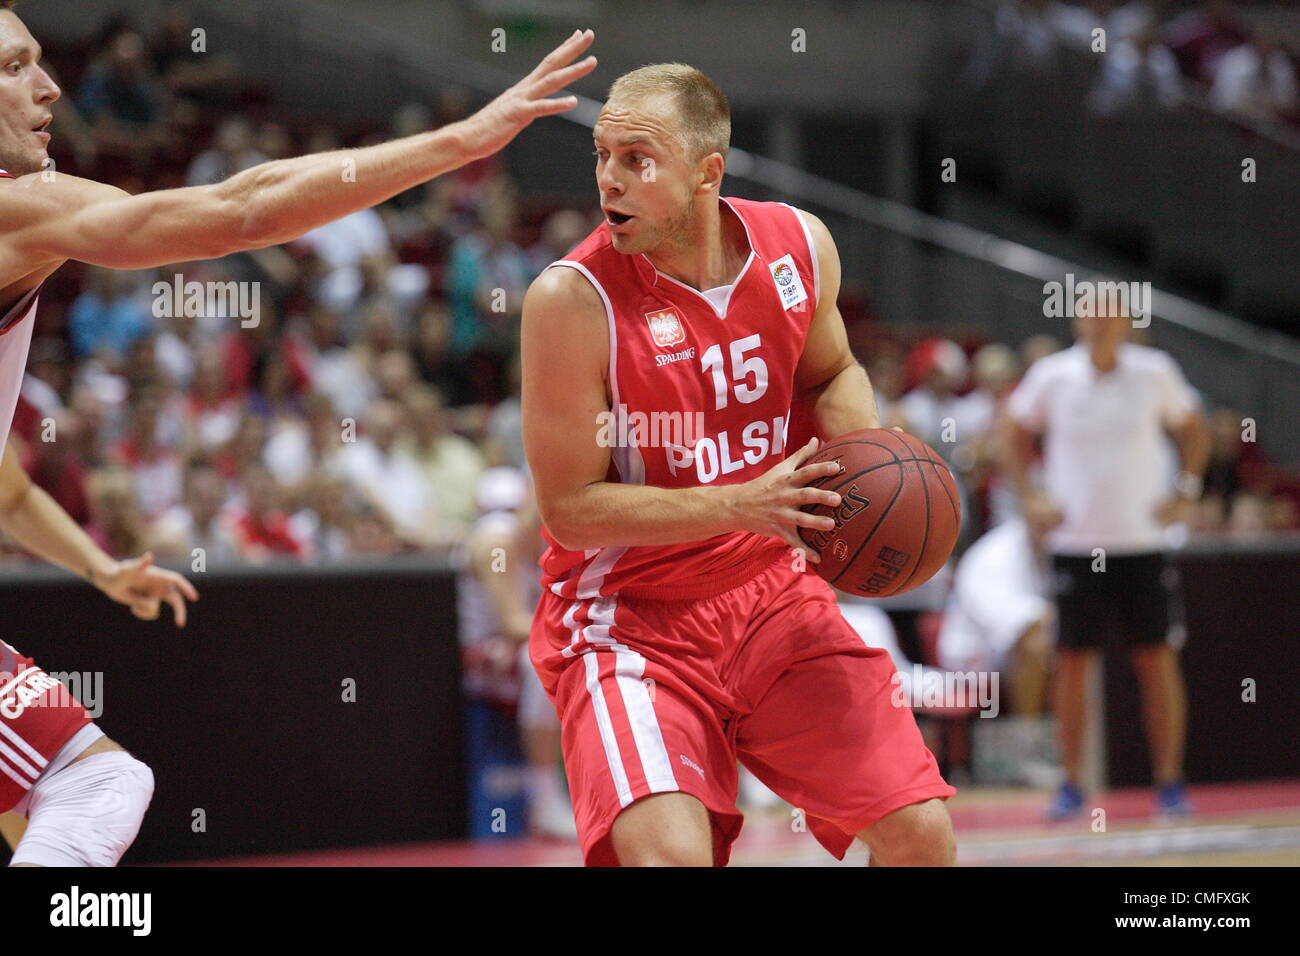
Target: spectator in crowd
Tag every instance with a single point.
(232, 151)
(44, 385)
(504, 438)
(324, 523)
(337, 371)
(1200, 37)
(995, 369)
(176, 345)
(1137, 71)
(1036, 347)
(212, 412)
(371, 533)
(939, 368)
(274, 142)
(56, 465)
(1256, 80)
(394, 373)
(246, 447)
(886, 373)
(1248, 515)
(122, 98)
(154, 468)
(108, 316)
(116, 524)
(197, 522)
(450, 465)
(291, 451)
(205, 77)
(561, 232)
(260, 528)
(91, 445)
(487, 276)
(430, 350)
(387, 475)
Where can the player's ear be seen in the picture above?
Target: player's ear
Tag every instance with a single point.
(711, 169)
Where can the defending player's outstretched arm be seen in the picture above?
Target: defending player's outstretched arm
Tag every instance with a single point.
(36, 522)
(51, 218)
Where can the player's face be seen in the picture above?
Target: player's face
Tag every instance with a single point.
(26, 95)
(1102, 330)
(646, 178)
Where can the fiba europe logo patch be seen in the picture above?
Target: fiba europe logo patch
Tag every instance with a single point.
(788, 284)
(666, 327)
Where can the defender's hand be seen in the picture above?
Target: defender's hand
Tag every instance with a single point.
(496, 124)
(142, 587)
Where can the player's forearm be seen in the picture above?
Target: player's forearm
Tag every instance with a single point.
(1016, 450)
(38, 525)
(607, 513)
(844, 404)
(285, 198)
(1194, 446)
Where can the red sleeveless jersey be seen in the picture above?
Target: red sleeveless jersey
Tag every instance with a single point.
(701, 395)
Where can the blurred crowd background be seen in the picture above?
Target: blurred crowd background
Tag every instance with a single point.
(1159, 51)
(381, 380)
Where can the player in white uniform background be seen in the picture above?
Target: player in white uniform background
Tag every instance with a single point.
(86, 805)
(1105, 408)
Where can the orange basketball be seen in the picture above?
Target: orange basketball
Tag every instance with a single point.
(898, 516)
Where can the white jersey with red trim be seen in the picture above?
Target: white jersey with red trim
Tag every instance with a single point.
(15, 339)
(701, 390)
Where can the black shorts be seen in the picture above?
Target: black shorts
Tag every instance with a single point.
(1136, 601)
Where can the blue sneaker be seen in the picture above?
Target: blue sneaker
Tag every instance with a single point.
(1171, 801)
(1067, 803)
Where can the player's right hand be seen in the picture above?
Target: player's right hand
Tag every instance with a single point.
(500, 121)
(770, 504)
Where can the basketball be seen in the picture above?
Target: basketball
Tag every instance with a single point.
(898, 516)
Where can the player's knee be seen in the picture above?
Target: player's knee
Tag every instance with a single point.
(917, 835)
(667, 853)
(667, 847)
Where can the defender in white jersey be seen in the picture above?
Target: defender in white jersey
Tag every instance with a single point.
(50, 217)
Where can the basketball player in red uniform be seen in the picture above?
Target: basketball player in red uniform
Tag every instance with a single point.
(89, 810)
(677, 631)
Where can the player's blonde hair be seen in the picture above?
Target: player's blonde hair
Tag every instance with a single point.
(705, 117)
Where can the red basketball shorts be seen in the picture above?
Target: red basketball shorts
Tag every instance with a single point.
(657, 696)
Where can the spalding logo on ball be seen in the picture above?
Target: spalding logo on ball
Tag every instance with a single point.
(898, 516)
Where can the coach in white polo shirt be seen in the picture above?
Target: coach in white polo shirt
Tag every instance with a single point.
(1103, 409)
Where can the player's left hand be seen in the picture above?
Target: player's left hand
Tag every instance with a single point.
(142, 587)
